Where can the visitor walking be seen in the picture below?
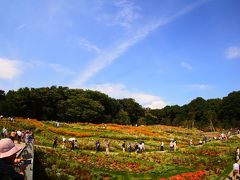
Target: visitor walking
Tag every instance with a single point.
(143, 146)
(175, 145)
(76, 144)
(13, 135)
(129, 148)
(137, 148)
(4, 132)
(107, 143)
(237, 153)
(162, 146)
(27, 137)
(123, 146)
(97, 146)
(64, 142)
(19, 136)
(190, 143)
(235, 170)
(55, 142)
(171, 146)
(72, 144)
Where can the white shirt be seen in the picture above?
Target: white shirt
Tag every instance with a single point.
(236, 166)
(19, 133)
(238, 152)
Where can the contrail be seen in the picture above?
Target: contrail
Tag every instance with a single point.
(106, 58)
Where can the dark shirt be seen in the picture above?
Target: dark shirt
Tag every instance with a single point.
(7, 172)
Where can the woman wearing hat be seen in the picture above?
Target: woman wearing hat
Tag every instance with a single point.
(8, 152)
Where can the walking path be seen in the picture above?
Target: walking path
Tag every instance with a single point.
(27, 149)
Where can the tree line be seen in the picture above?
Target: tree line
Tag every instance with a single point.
(78, 105)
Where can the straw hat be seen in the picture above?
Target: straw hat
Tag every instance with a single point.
(8, 148)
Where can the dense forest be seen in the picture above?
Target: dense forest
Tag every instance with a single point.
(77, 105)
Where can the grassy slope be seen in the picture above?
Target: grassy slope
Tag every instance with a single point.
(214, 156)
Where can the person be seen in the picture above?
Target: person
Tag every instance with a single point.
(136, 147)
(27, 137)
(107, 146)
(235, 169)
(237, 153)
(143, 146)
(140, 147)
(8, 153)
(64, 142)
(123, 146)
(175, 145)
(19, 136)
(31, 136)
(190, 143)
(129, 148)
(205, 139)
(4, 132)
(171, 146)
(97, 146)
(55, 142)
(23, 136)
(162, 146)
(13, 135)
(57, 124)
(75, 144)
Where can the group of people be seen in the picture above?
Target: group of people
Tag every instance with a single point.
(137, 147)
(10, 119)
(236, 166)
(129, 147)
(19, 135)
(107, 146)
(72, 141)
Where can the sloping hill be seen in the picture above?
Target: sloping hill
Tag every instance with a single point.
(213, 159)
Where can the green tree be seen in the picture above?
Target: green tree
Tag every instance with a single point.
(122, 118)
(134, 110)
(80, 108)
(230, 110)
(195, 111)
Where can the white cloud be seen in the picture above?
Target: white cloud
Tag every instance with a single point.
(124, 13)
(127, 13)
(233, 52)
(186, 65)
(9, 69)
(119, 91)
(106, 58)
(89, 46)
(200, 86)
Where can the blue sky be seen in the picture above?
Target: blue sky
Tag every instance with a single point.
(159, 52)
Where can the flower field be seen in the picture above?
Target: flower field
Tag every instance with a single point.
(212, 160)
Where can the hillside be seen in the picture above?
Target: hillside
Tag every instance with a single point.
(213, 159)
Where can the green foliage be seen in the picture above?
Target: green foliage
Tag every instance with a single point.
(77, 105)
